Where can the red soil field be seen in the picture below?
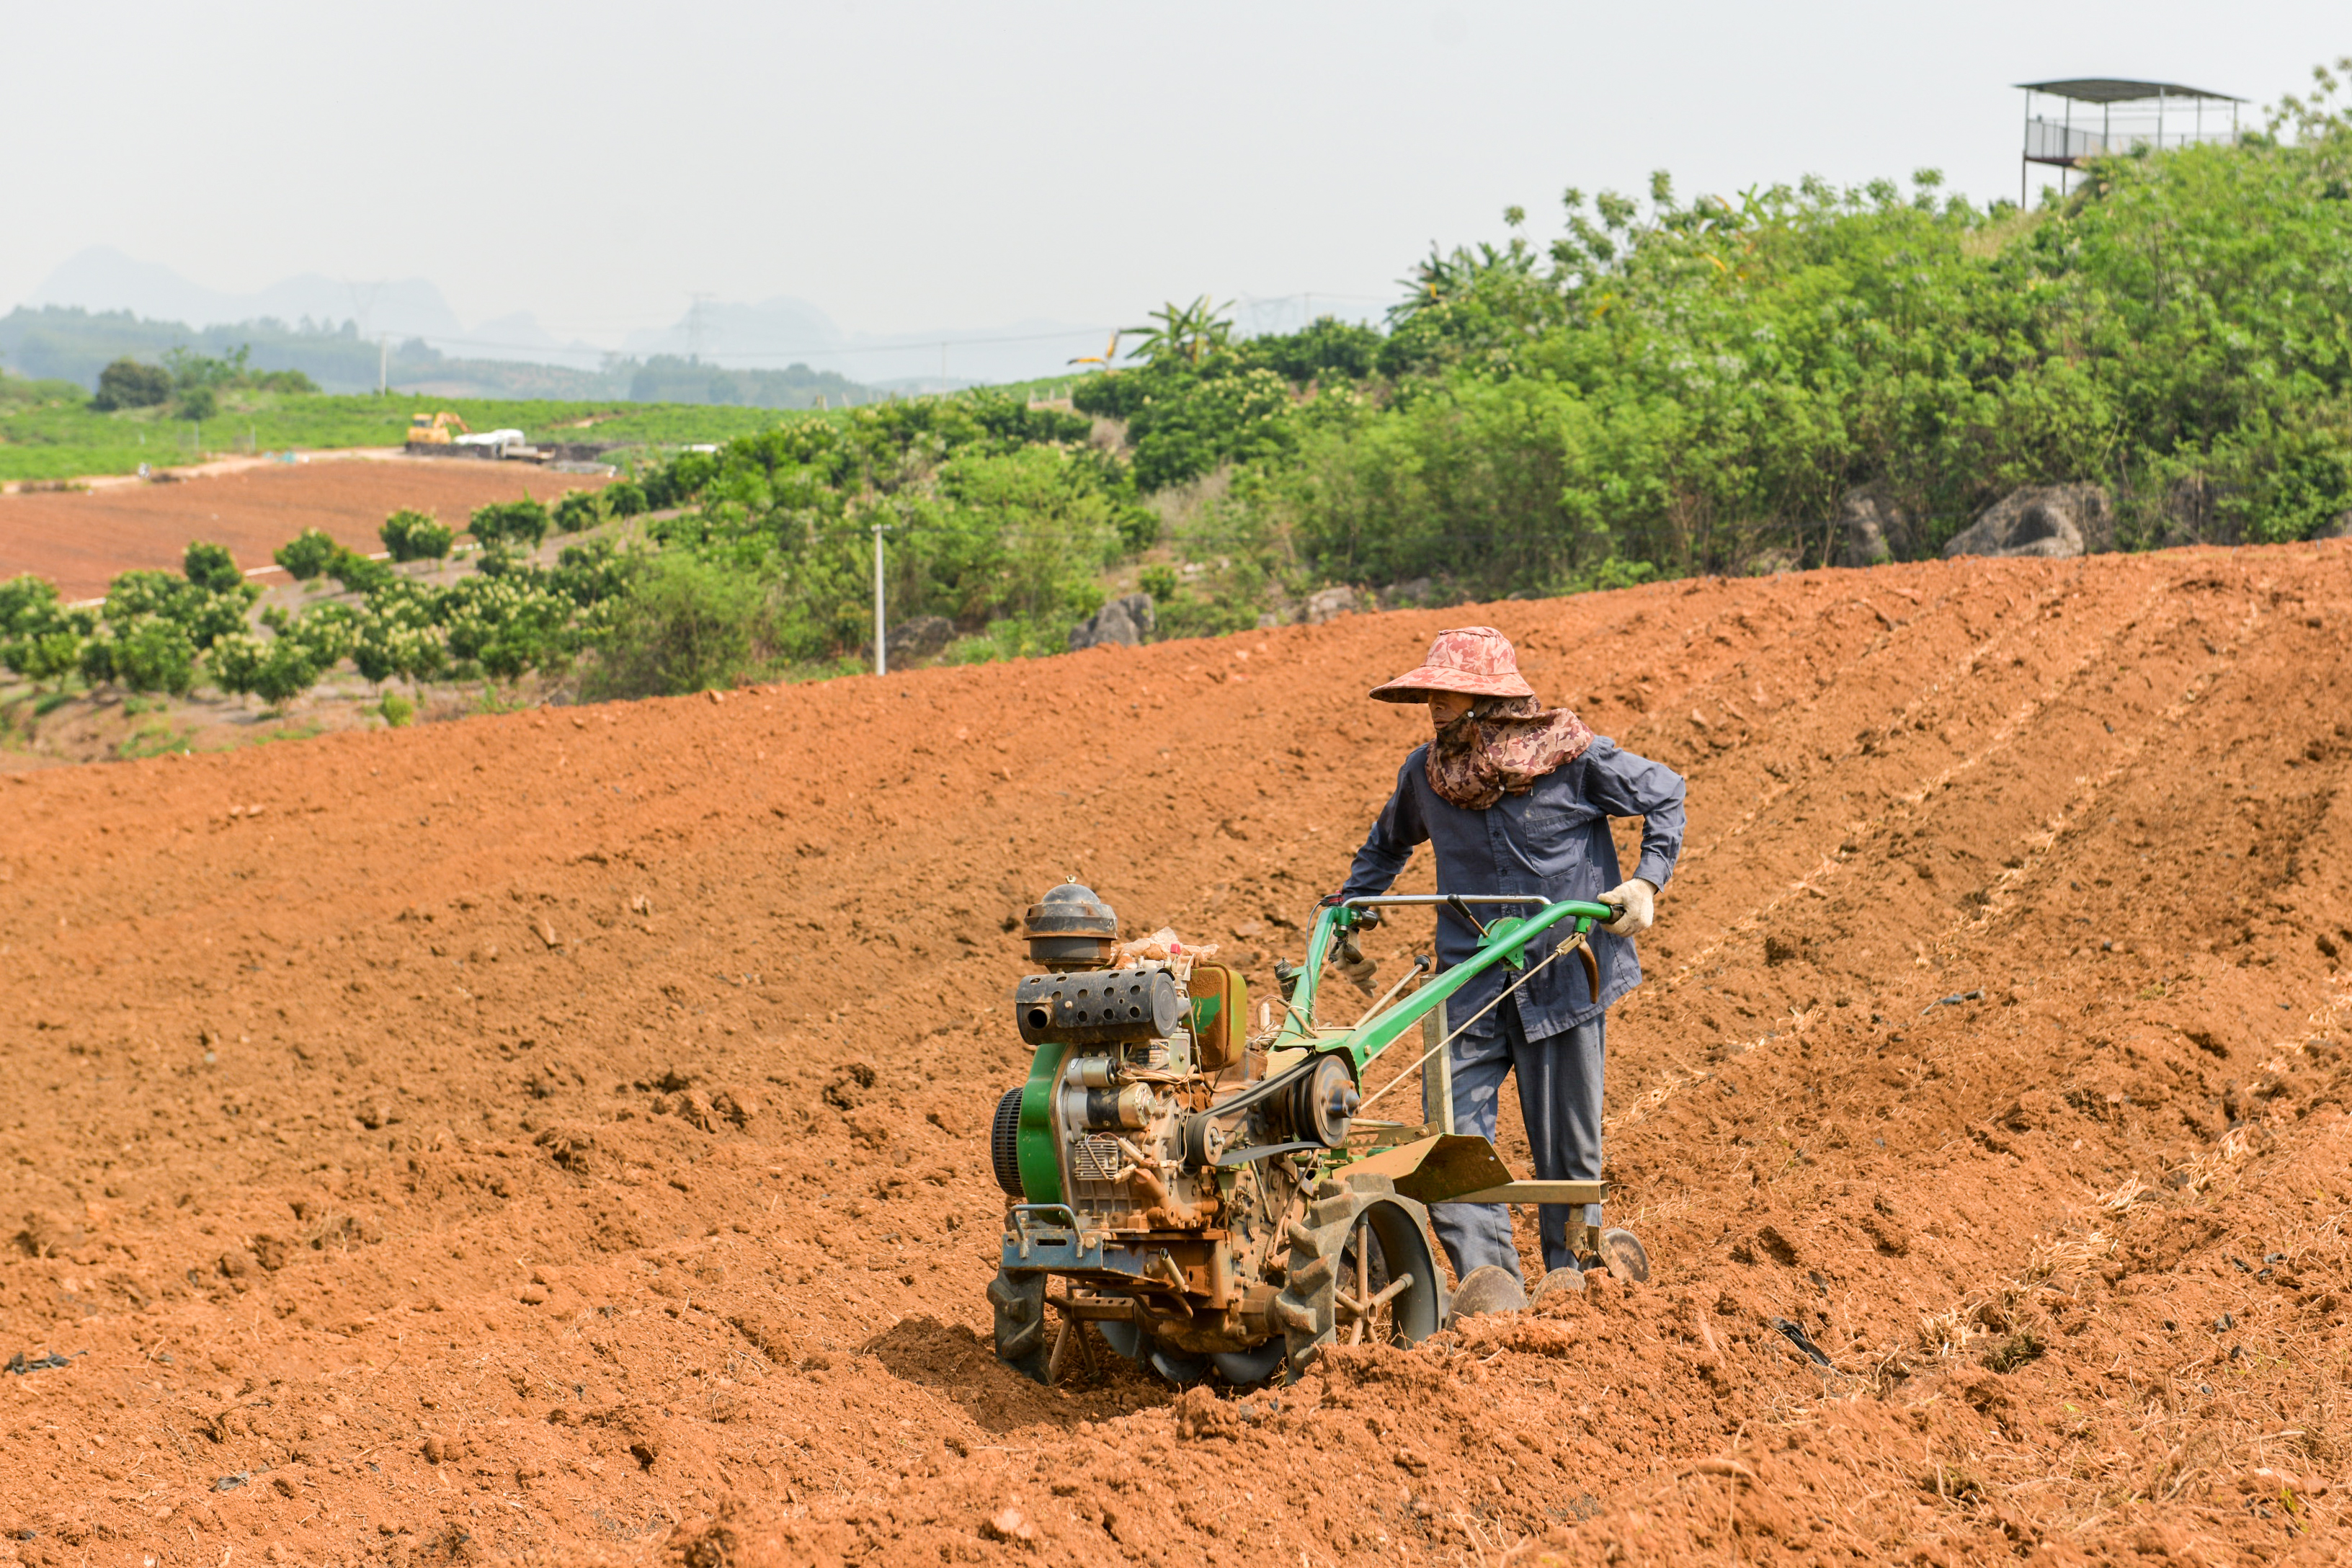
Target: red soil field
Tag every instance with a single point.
(559, 1137)
(81, 540)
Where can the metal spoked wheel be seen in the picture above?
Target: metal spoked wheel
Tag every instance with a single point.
(1388, 1289)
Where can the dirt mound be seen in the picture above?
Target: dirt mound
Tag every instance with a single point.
(559, 1137)
(80, 541)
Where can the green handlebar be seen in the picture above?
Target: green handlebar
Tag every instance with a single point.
(1504, 941)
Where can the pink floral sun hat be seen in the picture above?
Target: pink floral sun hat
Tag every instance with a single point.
(1477, 661)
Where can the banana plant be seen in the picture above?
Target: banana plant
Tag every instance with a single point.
(1186, 333)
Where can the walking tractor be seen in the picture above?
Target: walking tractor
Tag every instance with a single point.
(1210, 1196)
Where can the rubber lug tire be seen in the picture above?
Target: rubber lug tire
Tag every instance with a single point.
(1305, 1308)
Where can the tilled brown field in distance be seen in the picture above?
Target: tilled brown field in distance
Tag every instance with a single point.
(80, 540)
(561, 1137)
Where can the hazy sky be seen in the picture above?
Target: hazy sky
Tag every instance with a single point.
(967, 163)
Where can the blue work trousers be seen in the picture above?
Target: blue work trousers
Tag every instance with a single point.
(1560, 1101)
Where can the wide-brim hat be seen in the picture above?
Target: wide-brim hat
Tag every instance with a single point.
(1476, 661)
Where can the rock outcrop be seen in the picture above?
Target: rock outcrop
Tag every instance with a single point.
(1873, 529)
(2058, 521)
(921, 636)
(1126, 621)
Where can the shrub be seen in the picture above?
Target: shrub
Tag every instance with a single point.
(40, 638)
(326, 635)
(1232, 415)
(396, 710)
(276, 671)
(47, 655)
(289, 670)
(624, 498)
(307, 555)
(595, 570)
(204, 613)
(211, 567)
(416, 536)
(127, 384)
(507, 624)
(357, 573)
(685, 625)
(523, 521)
(680, 479)
(397, 632)
(1325, 349)
(149, 654)
(27, 602)
(578, 509)
(198, 403)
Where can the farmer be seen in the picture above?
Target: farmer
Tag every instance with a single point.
(1514, 797)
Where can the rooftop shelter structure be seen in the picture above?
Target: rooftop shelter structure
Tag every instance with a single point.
(2106, 115)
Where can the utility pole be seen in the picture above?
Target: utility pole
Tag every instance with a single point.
(694, 329)
(881, 642)
(384, 364)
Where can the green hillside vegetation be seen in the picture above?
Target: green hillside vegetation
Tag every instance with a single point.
(67, 343)
(52, 430)
(1664, 388)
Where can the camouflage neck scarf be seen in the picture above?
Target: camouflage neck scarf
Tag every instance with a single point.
(1502, 745)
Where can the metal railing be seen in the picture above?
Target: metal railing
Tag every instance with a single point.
(2055, 141)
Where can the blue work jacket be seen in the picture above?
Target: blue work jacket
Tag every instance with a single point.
(1554, 841)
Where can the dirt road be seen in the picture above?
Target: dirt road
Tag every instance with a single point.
(80, 540)
(561, 1137)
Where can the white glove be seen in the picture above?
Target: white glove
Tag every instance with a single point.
(1636, 903)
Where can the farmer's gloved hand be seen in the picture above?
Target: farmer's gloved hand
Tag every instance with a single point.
(1351, 961)
(1636, 903)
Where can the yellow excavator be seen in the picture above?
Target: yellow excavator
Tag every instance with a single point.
(434, 429)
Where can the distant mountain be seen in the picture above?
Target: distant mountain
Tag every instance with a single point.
(69, 343)
(103, 278)
(781, 334)
(781, 331)
(519, 336)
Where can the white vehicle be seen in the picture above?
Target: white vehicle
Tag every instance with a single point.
(500, 439)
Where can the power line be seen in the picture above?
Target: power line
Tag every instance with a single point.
(928, 345)
(695, 331)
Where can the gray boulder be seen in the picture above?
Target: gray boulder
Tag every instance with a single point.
(1126, 621)
(921, 637)
(1329, 604)
(2056, 521)
(1873, 529)
(1413, 591)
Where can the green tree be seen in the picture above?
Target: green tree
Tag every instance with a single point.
(127, 384)
(150, 653)
(521, 521)
(204, 613)
(307, 555)
(416, 536)
(275, 670)
(211, 567)
(578, 509)
(357, 573)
